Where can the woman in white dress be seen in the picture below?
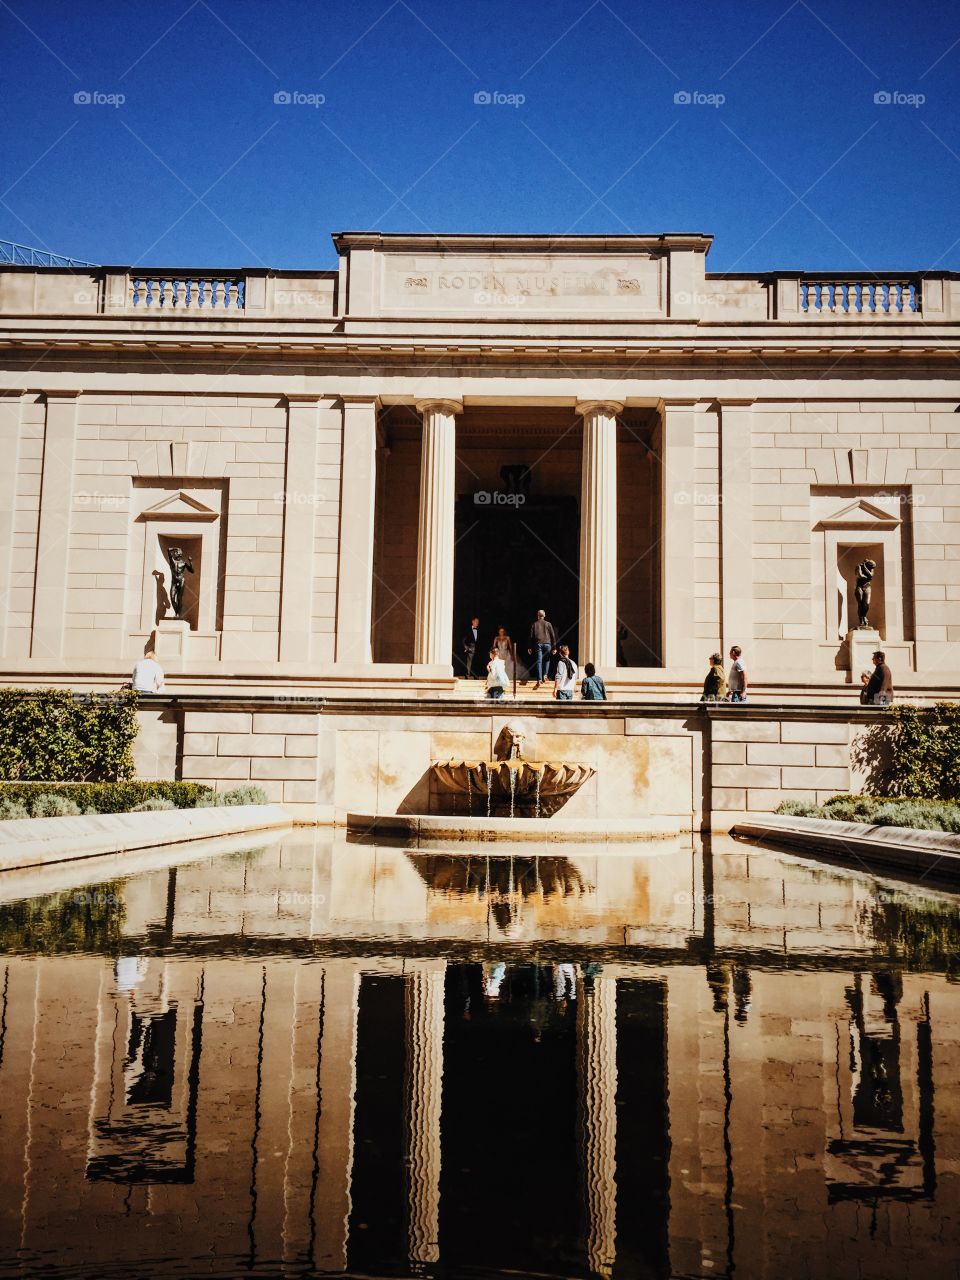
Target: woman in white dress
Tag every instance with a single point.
(504, 647)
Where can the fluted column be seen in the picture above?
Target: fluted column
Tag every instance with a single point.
(598, 534)
(597, 1079)
(434, 620)
(424, 1086)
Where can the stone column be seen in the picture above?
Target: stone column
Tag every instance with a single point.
(598, 533)
(597, 1080)
(678, 561)
(10, 402)
(53, 535)
(424, 1086)
(435, 542)
(358, 480)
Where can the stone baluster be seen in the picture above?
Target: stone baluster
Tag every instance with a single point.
(435, 541)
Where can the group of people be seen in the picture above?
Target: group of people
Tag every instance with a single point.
(876, 690)
(549, 660)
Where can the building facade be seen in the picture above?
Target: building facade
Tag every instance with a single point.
(355, 462)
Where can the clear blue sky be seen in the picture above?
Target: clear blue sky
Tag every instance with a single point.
(799, 166)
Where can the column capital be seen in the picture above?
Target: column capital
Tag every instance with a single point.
(610, 407)
(441, 405)
(306, 397)
(371, 400)
(735, 402)
(53, 396)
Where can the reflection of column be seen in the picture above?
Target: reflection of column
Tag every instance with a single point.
(357, 497)
(337, 1087)
(424, 1083)
(434, 620)
(597, 1072)
(598, 533)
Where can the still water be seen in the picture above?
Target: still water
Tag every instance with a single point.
(319, 1057)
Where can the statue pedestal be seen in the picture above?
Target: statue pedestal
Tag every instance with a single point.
(861, 644)
(172, 637)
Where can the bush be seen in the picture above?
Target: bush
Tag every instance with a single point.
(55, 735)
(882, 811)
(104, 797)
(11, 810)
(49, 805)
(153, 806)
(248, 794)
(926, 751)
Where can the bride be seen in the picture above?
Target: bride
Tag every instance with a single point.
(504, 647)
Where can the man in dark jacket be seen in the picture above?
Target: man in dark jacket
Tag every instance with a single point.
(469, 642)
(543, 642)
(879, 688)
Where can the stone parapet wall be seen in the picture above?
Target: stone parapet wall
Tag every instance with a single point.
(325, 758)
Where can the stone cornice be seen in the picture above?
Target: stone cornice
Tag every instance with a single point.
(413, 242)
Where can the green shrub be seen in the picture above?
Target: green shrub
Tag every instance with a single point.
(12, 809)
(248, 794)
(882, 811)
(105, 797)
(154, 805)
(55, 735)
(926, 751)
(50, 805)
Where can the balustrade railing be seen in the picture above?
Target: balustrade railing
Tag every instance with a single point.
(897, 296)
(186, 293)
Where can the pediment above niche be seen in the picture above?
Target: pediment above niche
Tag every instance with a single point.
(859, 513)
(179, 506)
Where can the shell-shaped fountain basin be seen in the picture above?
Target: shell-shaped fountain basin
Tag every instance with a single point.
(512, 788)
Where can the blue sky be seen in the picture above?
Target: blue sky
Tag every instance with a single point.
(781, 151)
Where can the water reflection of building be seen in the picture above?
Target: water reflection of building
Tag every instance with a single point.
(355, 1102)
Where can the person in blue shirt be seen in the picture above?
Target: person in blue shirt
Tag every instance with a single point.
(592, 687)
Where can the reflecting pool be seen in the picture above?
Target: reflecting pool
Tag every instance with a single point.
(318, 1057)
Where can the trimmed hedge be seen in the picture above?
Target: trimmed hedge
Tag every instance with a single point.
(109, 797)
(55, 735)
(881, 811)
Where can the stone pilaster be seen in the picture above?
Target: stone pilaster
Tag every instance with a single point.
(435, 543)
(424, 1086)
(357, 507)
(598, 533)
(53, 536)
(597, 1080)
(299, 511)
(678, 561)
(736, 525)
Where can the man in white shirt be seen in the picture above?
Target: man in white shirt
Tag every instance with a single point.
(148, 674)
(737, 679)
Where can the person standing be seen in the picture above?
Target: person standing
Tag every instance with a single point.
(496, 676)
(147, 674)
(543, 642)
(504, 647)
(470, 639)
(737, 677)
(715, 684)
(592, 688)
(566, 677)
(879, 688)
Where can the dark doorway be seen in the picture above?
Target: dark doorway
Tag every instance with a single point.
(512, 559)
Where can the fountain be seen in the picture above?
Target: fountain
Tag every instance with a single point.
(512, 786)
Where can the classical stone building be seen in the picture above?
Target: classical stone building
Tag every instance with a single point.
(354, 462)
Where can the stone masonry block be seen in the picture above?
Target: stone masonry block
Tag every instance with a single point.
(745, 775)
(746, 730)
(217, 722)
(779, 753)
(250, 744)
(286, 768)
(810, 731)
(839, 779)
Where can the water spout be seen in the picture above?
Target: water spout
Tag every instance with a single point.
(536, 794)
(513, 789)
